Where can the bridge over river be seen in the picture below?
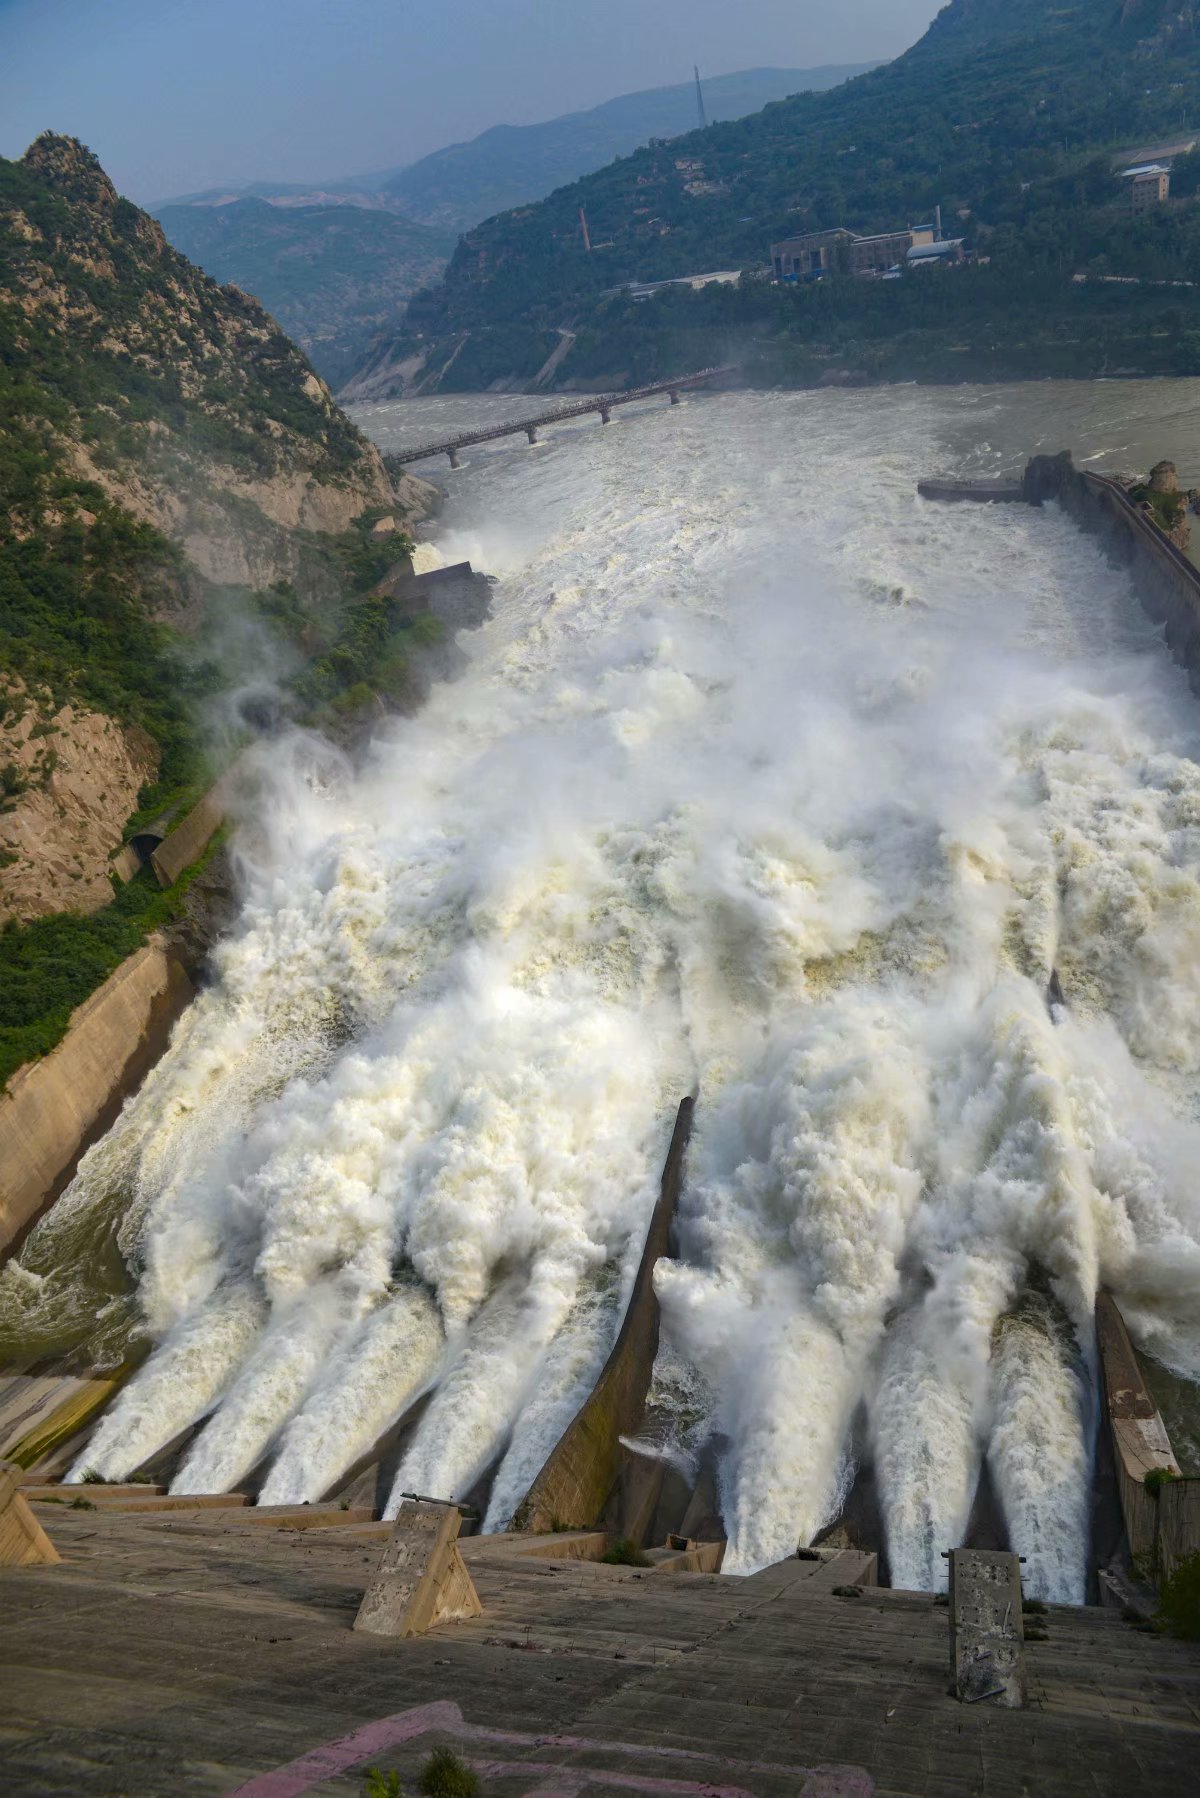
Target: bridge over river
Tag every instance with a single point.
(603, 403)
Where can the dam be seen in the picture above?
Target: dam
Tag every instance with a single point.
(769, 783)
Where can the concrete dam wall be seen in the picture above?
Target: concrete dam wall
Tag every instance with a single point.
(574, 1485)
(56, 1108)
(1166, 581)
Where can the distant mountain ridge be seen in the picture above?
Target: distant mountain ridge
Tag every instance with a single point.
(509, 165)
(335, 277)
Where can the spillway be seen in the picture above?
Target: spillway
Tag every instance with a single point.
(766, 780)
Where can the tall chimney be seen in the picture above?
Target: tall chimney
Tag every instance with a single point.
(699, 97)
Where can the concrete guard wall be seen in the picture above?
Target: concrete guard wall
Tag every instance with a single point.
(1178, 1537)
(1167, 583)
(56, 1108)
(188, 841)
(1139, 1438)
(574, 1485)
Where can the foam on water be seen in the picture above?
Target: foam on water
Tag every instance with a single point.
(769, 779)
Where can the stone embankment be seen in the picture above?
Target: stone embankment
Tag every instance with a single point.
(1166, 582)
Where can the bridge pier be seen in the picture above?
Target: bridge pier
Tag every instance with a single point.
(605, 415)
(531, 433)
(454, 462)
(674, 397)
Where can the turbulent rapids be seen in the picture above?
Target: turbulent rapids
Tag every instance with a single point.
(768, 781)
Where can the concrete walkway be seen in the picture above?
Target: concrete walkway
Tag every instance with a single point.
(170, 1654)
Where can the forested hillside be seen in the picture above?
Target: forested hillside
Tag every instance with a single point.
(335, 277)
(1007, 114)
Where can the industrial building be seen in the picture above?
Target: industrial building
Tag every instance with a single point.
(1149, 185)
(815, 254)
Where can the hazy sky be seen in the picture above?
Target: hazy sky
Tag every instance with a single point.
(177, 95)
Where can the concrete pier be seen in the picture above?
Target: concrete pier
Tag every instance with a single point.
(421, 1579)
(574, 1485)
(986, 1633)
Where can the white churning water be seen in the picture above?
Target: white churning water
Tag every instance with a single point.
(768, 780)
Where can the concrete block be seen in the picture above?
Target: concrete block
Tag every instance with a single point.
(421, 1578)
(23, 1541)
(987, 1638)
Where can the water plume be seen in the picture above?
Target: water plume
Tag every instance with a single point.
(767, 778)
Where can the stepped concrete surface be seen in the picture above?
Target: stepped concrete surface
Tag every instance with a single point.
(181, 1651)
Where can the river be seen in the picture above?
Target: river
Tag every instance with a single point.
(766, 780)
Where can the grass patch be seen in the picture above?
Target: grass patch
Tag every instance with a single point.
(625, 1554)
(1157, 1478)
(379, 1784)
(1167, 508)
(1179, 1601)
(445, 1776)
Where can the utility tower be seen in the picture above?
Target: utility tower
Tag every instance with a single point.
(699, 97)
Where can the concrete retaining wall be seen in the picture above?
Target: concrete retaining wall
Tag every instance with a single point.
(188, 841)
(56, 1108)
(1162, 1521)
(574, 1485)
(1178, 1524)
(1166, 581)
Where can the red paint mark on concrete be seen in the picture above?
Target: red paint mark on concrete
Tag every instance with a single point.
(582, 1776)
(559, 1781)
(335, 1757)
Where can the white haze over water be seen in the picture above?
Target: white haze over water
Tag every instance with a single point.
(766, 780)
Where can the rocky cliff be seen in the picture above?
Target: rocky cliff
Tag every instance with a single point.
(167, 456)
(183, 401)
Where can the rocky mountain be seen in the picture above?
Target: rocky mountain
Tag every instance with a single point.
(1007, 114)
(335, 277)
(172, 473)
